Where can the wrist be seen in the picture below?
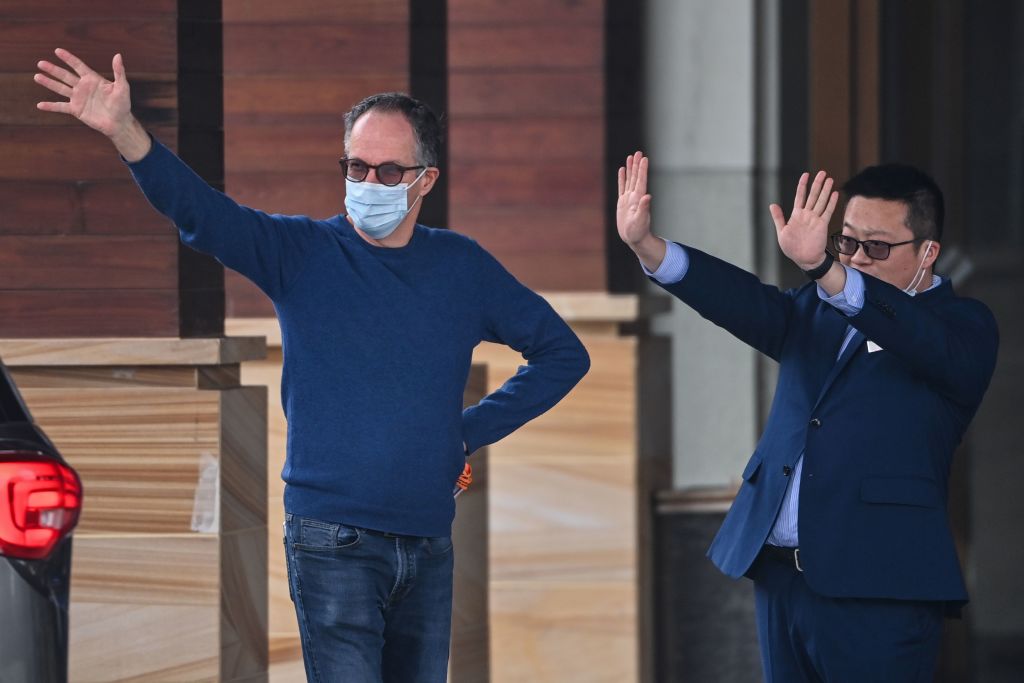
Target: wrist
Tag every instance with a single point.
(131, 140)
(651, 251)
(818, 270)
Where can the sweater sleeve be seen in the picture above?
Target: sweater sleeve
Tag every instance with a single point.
(555, 358)
(267, 249)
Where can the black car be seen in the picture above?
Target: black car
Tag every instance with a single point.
(40, 500)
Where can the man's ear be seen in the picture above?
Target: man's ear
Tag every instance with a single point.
(429, 179)
(932, 252)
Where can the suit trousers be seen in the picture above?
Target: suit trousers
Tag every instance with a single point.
(807, 637)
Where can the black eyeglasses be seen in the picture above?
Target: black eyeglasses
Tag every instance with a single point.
(875, 249)
(389, 173)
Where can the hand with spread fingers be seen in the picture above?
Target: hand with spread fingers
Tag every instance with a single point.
(633, 212)
(102, 105)
(803, 238)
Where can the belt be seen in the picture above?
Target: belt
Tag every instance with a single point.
(788, 556)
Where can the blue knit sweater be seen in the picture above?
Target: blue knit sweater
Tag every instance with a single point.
(377, 348)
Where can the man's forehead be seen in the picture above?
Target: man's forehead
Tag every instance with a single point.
(869, 217)
(382, 136)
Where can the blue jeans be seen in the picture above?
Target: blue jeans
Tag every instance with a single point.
(372, 607)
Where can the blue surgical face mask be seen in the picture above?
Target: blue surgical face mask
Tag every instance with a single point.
(378, 209)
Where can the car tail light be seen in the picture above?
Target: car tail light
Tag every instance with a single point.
(40, 499)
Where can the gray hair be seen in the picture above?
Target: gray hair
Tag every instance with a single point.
(426, 127)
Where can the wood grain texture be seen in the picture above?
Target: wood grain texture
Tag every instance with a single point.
(154, 99)
(170, 553)
(287, 148)
(298, 47)
(350, 11)
(93, 10)
(87, 262)
(142, 633)
(489, 12)
(173, 351)
(118, 207)
(318, 192)
(61, 153)
(148, 45)
(296, 99)
(210, 377)
(527, 111)
(37, 208)
(564, 631)
(138, 451)
(85, 313)
(537, 140)
(68, 207)
(571, 93)
(545, 46)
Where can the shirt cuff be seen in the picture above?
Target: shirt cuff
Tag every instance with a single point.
(673, 267)
(850, 301)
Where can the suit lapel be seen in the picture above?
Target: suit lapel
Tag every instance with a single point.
(856, 341)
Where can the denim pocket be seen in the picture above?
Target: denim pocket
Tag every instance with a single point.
(314, 535)
(438, 545)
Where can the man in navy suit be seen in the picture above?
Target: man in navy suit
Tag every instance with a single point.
(841, 518)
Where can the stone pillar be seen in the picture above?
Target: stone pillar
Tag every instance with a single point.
(168, 578)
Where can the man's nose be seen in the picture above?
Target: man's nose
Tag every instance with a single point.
(860, 256)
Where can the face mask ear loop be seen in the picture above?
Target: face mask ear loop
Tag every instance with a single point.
(919, 275)
(418, 197)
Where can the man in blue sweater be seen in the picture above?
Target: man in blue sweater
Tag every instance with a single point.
(379, 318)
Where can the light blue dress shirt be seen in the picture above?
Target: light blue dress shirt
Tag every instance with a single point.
(849, 302)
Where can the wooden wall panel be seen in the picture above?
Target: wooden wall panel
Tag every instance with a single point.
(67, 11)
(81, 252)
(89, 312)
(147, 46)
(291, 70)
(349, 12)
(501, 11)
(526, 109)
(86, 262)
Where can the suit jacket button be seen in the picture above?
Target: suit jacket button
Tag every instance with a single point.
(787, 470)
(815, 422)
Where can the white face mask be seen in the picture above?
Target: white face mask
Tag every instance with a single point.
(378, 209)
(911, 289)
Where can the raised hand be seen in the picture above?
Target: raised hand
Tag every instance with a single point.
(98, 103)
(802, 239)
(633, 212)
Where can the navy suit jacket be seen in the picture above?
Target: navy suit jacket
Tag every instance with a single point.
(877, 429)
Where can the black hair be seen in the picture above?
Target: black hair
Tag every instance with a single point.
(426, 127)
(903, 183)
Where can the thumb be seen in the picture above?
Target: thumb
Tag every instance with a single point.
(118, 66)
(777, 216)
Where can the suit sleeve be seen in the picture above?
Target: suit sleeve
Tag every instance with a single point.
(952, 346)
(267, 249)
(735, 300)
